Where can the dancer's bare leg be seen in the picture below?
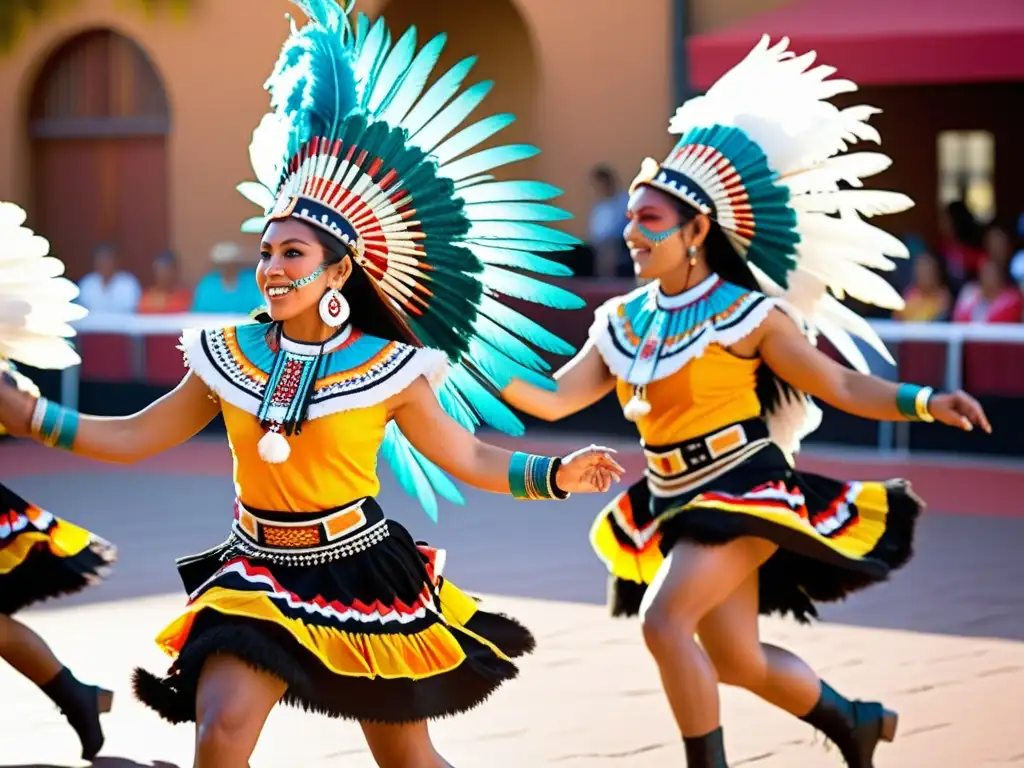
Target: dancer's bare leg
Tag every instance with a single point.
(27, 652)
(729, 635)
(232, 705)
(402, 746)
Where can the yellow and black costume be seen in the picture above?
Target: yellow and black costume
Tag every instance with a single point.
(762, 155)
(42, 556)
(713, 471)
(315, 585)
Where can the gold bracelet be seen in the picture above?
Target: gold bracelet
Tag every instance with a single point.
(921, 400)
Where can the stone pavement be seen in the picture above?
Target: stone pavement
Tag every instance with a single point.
(943, 643)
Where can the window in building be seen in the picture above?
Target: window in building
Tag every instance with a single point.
(967, 161)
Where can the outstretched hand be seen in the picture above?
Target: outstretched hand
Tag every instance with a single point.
(958, 409)
(588, 470)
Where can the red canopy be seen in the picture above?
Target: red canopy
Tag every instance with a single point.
(881, 42)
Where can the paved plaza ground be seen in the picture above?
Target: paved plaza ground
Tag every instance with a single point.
(943, 642)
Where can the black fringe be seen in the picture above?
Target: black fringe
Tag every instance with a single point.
(44, 576)
(270, 649)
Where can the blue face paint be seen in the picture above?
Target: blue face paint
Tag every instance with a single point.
(657, 237)
(308, 278)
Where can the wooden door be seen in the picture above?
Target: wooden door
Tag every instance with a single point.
(99, 125)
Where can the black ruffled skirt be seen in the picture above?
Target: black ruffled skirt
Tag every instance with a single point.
(834, 537)
(370, 631)
(42, 556)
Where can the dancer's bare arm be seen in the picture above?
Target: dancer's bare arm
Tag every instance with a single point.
(581, 382)
(795, 360)
(458, 452)
(169, 421)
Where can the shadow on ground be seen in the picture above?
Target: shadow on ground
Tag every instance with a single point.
(105, 762)
(965, 579)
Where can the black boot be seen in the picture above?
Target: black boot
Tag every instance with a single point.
(707, 751)
(855, 727)
(82, 705)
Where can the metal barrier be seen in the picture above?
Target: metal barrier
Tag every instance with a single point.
(891, 436)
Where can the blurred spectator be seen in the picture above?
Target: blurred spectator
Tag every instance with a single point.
(166, 295)
(928, 297)
(606, 223)
(231, 287)
(107, 289)
(1017, 262)
(962, 242)
(998, 245)
(992, 299)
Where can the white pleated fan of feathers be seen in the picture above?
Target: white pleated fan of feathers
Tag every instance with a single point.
(780, 100)
(36, 306)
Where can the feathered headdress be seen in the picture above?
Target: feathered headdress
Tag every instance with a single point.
(358, 146)
(763, 153)
(35, 300)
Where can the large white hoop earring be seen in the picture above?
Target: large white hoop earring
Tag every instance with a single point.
(334, 308)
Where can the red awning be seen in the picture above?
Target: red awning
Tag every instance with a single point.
(881, 42)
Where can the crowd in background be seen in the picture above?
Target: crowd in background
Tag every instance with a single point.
(228, 288)
(975, 273)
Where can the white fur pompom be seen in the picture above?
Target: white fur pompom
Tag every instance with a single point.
(274, 448)
(636, 408)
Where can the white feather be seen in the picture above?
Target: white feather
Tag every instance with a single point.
(35, 301)
(867, 202)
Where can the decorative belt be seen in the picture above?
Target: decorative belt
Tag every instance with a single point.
(313, 538)
(675, 469)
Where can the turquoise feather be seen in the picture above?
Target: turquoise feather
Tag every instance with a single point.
(515, 212)
(528, 329)
(472, 180)
(488, 160)
(350, 82)
(393, 72)
(438, 95)
(507, 257)
(510, 191)
(414, 81)
(485, 230)
(449, 118)
(467, 138)
(520, 286)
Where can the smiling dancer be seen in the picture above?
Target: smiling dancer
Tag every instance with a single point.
(384, 254)
(42, 556)
(745, 232)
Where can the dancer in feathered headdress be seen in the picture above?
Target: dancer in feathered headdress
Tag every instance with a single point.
(386, 250)
(758, 208)
(41, 556)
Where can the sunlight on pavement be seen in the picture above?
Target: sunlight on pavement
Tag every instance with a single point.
(588, 697)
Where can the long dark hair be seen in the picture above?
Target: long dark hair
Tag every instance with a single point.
(371, 310)
(724, 261)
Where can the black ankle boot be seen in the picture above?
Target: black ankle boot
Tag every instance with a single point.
(855, 727)
(82, 705)
(707, 751)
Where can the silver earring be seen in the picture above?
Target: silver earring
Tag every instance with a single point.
(334, 308)
(692, 251)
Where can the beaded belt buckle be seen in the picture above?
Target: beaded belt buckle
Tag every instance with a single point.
(695, 454)
(304, 534)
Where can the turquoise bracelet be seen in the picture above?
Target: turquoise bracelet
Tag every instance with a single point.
(54, 425)
(912, 402)
(532, 477)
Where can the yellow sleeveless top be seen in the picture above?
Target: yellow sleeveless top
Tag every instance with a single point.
(671, 352)
(710, 392)
(333, 460)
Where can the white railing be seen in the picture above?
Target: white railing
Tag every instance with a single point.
(890, 436)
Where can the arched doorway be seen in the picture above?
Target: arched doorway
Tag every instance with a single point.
(98, 123)
(496, 33)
